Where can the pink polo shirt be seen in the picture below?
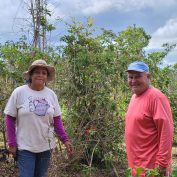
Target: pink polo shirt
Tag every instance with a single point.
(149, 130)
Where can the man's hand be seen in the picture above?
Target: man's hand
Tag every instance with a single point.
(69, 148)
(161, 170)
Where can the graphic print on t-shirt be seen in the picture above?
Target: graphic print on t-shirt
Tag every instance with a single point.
(38, 106)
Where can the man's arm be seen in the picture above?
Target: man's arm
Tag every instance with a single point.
(164, 124)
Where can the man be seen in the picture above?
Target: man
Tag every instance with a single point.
(149, 124)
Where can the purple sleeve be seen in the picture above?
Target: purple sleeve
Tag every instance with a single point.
(10, 130)
(59, 129)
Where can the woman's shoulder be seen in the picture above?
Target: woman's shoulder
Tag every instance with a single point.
(20, 88)
(49, 90)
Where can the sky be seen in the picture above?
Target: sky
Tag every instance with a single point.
(157, 17)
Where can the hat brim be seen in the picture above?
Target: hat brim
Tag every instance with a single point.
(50, 69)
(137, 70)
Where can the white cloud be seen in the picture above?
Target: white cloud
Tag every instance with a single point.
(164, 34)
(10, 10)
(12, 13)
(96, 7)
(9, 13)
(154, 4)
(92, 7)
(5, 15)
(169, 30)
(171, 58)
(55, 11)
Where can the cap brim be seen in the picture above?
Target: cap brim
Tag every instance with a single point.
(137, 70)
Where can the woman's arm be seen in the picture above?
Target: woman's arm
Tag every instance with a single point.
(11, 134)
(60, 131)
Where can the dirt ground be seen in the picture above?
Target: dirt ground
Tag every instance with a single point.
(9, 169)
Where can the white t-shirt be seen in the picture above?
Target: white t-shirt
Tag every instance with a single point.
(34, 112)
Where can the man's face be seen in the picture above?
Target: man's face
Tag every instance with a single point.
(138, 81)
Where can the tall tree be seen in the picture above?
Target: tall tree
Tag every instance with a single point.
(39, 13)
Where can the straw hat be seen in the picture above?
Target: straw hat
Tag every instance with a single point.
(40, 63)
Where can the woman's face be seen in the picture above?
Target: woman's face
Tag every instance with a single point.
(39, 76)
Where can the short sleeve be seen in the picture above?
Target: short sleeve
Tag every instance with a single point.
(11, 106)
(57, 109)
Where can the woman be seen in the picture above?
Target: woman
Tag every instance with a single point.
(32, 115)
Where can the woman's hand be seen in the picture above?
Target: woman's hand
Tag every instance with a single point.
(13, 150)
(69, 148)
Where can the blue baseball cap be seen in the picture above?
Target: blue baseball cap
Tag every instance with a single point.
(138, 66)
